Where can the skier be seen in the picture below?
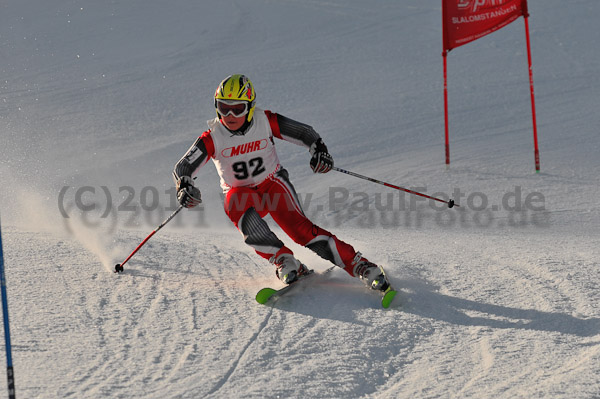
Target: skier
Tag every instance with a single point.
(240, 142)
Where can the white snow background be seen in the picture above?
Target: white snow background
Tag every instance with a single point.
(498, 298)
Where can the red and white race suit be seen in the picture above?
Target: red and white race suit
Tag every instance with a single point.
(255, 184)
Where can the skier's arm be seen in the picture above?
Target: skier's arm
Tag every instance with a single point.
(290, 130)
(196, 157)
(299, 133)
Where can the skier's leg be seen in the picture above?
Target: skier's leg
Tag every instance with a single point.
(329, 247)
(290, 217)
(240, 206)
(258, 235)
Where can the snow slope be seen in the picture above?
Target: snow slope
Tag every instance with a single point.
(499, 298)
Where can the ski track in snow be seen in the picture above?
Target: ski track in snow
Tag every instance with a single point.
(177, 329)
(492, 303)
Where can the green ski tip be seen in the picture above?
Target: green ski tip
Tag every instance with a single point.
(388, 297)
(264, 295)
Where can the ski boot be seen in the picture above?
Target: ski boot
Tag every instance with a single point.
(289, 268)
(371, 274)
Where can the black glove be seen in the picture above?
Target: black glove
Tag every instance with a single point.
(321, 161)
(188, 195)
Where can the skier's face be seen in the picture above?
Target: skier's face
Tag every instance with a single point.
(232, 122)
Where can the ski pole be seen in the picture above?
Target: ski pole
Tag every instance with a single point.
(10, 375)
(119, 266)
(449, 202)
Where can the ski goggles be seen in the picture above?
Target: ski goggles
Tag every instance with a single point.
(236, 108)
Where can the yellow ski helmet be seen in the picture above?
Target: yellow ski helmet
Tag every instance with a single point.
(236, 89)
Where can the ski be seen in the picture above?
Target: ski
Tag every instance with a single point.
(388, 297)
(266, 294)
(389, 294)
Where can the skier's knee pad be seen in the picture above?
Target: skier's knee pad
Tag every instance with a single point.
(256, 231)
(326, 248)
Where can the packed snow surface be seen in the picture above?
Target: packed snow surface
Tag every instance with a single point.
(499, 298)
